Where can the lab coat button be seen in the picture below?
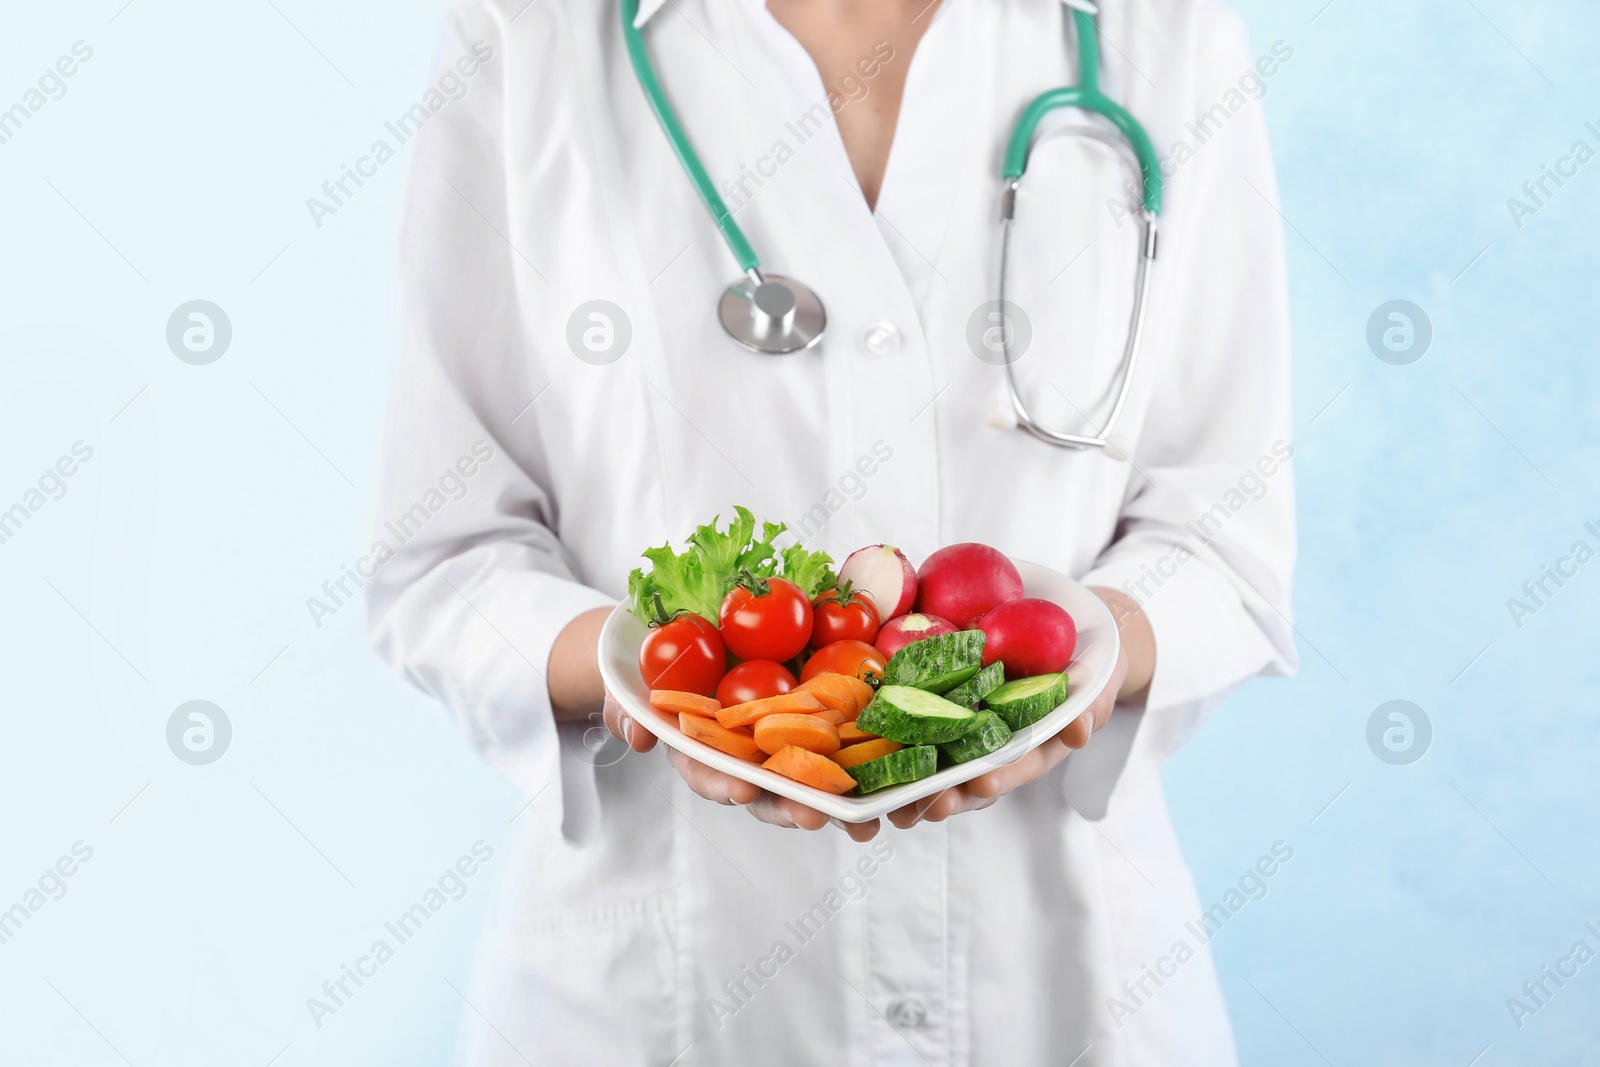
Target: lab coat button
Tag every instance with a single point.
(881, 339)
(908, 1013)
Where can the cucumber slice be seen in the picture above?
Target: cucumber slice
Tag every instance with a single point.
(897, 768)
(1027, 700)
(937, 663)
(914, 717)
(990, 735)
(978, 686)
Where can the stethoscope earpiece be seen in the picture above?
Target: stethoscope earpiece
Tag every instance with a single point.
(1119, 447)
(1001, 415)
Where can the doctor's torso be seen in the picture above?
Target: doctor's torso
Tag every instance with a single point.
(581, 333)
(653, 419)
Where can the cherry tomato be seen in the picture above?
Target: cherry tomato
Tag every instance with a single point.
(685, 653)
(766, 618)
(843, 615)
(754, 679)
(855, 658)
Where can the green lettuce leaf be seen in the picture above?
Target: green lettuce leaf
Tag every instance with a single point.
(811, 571)
(696, 579)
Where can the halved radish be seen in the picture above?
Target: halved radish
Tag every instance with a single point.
(884, 574)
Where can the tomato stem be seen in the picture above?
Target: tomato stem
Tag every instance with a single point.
(659, 617)
(759, 587)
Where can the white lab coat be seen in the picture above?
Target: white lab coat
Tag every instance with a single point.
(636, 923)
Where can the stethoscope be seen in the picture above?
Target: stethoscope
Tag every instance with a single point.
(775, 315)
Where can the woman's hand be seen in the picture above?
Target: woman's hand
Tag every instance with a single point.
(1129, 678)
(576, 689)
(725, 788)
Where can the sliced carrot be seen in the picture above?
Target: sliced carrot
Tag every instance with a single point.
(864, 692)
(808, 768)
(866, 750)
(851, 734)
(799, 731)
(674, 702)
(737, 743)
(748, 712)
(830, 715)
(835, 692)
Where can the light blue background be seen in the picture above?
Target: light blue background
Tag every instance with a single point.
(177, 565)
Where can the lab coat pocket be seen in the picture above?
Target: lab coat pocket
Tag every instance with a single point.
(596, 986)
(1074, 249)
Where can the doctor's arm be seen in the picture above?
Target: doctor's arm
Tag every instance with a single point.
(468, 585)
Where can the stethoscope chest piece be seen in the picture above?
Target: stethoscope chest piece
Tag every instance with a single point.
(772, 314)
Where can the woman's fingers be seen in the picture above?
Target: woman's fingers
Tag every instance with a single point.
(710, 783)
(781, 811)
(940, 807)
(858, 831)
(918, 810)
(624, 729)
(725, 788)
(1002, 780)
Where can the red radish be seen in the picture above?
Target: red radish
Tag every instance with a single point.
(898, 633)
(1029, 636)
(963, 582)
(883, 573)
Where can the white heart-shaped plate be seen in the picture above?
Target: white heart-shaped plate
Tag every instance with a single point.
(1091, 666)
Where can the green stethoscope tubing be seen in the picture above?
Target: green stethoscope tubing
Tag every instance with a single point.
(1085, 96)
(738, 244)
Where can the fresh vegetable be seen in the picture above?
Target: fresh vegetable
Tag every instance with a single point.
(697, 579)
(753, 680)
(833, 715)
(811, 571)
(897, 768)
(673, 702)
(865, 752)
(736, 743)
(765, 618)
(748, 712)
(990, 735)
(899, 632)
(854, 658)
(808, 768)
(1030, 636)
(685, 653)
(937, 663)
(915, 716)
(1027, 700)
(774, 732)
(964, 582)
(885, 576)
(851, 734)
(978, 686)
(839, 692)
(843, 613)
